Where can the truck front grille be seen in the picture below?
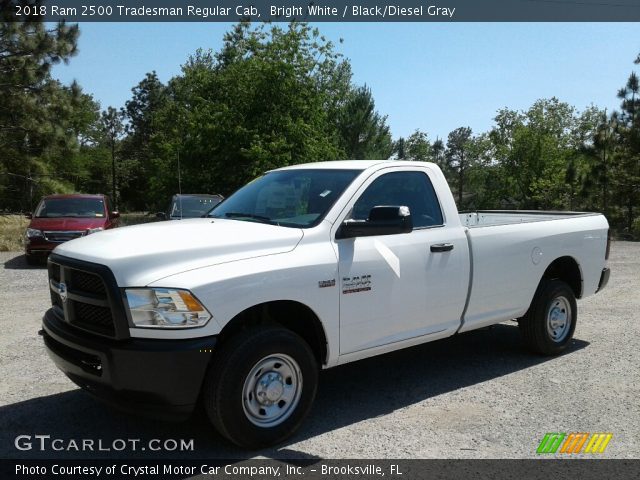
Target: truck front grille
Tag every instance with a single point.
(94, 318)
(85, 296)
(87, 282)
(54, 271)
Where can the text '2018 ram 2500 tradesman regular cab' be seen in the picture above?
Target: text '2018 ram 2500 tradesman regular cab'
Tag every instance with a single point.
(307, 267)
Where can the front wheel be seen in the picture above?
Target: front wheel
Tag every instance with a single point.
(548, 326)
(261, 386)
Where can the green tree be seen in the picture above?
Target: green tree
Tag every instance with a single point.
(598, 150)
(534, 149)
(399, 148)
(626, 169)
(483, 175)
(457, 155)
(270, 98)
(418, 147)
(34, 109)
(364, 133)
(437, 150)
(141, 113)
(112, 129)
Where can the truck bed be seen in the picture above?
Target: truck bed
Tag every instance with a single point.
(509, 258)
(488, 218)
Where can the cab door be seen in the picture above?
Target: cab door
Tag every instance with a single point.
(401, 286)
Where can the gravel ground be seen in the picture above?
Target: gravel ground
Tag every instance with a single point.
(478, 395)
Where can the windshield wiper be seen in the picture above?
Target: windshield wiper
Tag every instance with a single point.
(248, 215)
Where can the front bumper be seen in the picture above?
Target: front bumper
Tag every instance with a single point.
(159, 378)
(604, 279)
(38, 246)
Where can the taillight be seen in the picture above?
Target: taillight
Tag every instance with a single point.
(606, 254)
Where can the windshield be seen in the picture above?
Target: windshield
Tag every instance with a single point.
(70, 207)
(192, 207)
(291, 198)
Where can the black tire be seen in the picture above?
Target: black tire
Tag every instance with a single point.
(543, 326)
(234, 414)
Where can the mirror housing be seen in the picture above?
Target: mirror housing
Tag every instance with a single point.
(383, 220)
(115, 214)
(28, 215)
(161, 215)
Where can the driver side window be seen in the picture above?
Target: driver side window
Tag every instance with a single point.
(410, 189)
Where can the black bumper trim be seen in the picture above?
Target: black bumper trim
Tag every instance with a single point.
(604, 279)
(158, 378)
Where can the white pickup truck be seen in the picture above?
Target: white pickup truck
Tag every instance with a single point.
(306, 267)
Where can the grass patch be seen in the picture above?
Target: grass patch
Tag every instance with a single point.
(12, 229)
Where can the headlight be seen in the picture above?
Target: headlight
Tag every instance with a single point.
(165, 308)
(33, 233)
(94, 230)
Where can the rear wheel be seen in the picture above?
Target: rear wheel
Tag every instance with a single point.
(548, 326)
(261, 386)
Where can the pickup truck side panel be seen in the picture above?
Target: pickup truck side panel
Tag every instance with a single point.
(228, 289)
(394, 288)
(510, 260)
(411, 294)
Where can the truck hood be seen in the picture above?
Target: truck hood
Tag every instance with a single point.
(67, 223)
(142, 254)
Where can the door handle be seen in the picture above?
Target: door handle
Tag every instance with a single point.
(442, 247)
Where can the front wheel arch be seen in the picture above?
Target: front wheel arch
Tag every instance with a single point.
(289, 314)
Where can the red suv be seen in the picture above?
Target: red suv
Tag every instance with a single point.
(59, 218)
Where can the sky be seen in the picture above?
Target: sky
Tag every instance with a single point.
(429, 76)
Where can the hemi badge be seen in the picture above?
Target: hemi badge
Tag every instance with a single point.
(327, 283)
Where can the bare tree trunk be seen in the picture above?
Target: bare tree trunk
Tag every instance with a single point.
(113, 173)
(461, 180)
(605, 182)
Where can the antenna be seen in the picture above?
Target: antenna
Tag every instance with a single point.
(179, 186)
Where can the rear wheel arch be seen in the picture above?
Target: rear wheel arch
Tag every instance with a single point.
(568, 270)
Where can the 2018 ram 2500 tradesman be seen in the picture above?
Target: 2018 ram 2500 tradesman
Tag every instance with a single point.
(307, 267)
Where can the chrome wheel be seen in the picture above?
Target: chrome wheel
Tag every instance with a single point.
(272, 390)
(559, 319)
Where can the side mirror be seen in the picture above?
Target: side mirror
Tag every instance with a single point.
(28, 215)
(161, 215)
(384, 220)
(115, 214)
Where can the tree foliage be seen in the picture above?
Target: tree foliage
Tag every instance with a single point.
(364, 133)
(39, 117)
(626, 170)
(271, 97)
